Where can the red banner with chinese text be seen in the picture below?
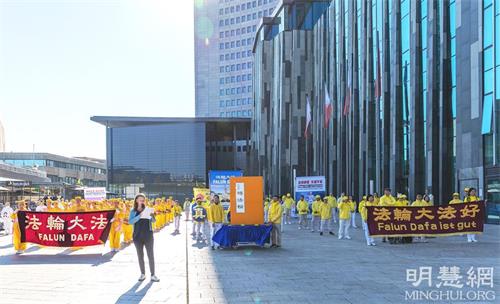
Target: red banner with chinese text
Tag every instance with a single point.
(426, 221)
(65, 229)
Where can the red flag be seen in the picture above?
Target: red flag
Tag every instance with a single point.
(328, 107)
(308, 116)
(347, 101)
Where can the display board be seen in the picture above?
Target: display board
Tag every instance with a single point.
(247, 197)
(309, 187)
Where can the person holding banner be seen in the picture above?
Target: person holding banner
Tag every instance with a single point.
(456, 199)
(19, 247)
(366, 202)
(216, 212)
(325, 211)
(142, 218)
(345, 209)
(316, 213)
(303, 208)
(419, 202)
(275, 214)
(471, 197)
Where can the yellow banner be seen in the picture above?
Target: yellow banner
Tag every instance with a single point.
(203, 191)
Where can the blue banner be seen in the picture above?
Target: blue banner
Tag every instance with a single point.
(219, 184)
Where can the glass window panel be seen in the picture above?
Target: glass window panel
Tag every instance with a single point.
(452, 20)
(497, 38)
(488, 58)
(488, 82)
(497, 83)
(488, 149)
(487, 114)
(488, 27)
(453, 71)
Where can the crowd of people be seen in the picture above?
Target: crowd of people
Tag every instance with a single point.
(208, 215)
(321, 213)
(166, 211)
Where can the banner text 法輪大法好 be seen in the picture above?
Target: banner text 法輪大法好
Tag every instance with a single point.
(422, 221)
(65, 229)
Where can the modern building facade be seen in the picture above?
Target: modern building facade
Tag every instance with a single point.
(170, 156)
(414, 85)
(60, 169)
(224, 34)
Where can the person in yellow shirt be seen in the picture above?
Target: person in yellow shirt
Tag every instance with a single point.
(177, 212)
(128, 229)
(289, 204)
(275, 214)
(116, 228)
(216, 216)
(456, 199)
(366, 202)
(419, 202)
(16, 236)
(333, 204)
(376, 199)
(303, 210)
(353, 212)
(345, 208)
(78, 205)
(471, 197)
(387, 199)
(267, 202)
(325, 211)
(402, 201)
(316, 214)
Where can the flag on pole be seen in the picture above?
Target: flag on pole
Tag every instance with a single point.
(308, 116)
(347, 101)
(328, 107)
(378, 80)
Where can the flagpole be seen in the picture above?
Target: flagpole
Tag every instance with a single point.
(377, 120)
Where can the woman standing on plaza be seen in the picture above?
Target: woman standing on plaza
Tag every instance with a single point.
(142, 217)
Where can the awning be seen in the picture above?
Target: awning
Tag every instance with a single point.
(3, 189)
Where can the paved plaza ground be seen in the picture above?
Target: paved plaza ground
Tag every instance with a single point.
(308, 269)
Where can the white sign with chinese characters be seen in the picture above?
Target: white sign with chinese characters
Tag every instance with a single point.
(240, 198)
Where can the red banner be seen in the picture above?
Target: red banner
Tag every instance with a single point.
(65, 229)
(426, 221)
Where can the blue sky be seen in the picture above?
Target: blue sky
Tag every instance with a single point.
(62, 61)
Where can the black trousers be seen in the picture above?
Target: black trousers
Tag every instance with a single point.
(149, 244)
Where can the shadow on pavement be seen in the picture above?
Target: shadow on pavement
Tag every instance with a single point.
(31, 259)
(134, 296)
(6, 246)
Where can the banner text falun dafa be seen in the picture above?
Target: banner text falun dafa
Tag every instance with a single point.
(426, 221)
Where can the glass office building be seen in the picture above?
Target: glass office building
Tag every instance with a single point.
(414, 86)
(170, 156)
(224, 35)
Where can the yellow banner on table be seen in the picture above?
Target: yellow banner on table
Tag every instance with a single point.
(203, 191)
